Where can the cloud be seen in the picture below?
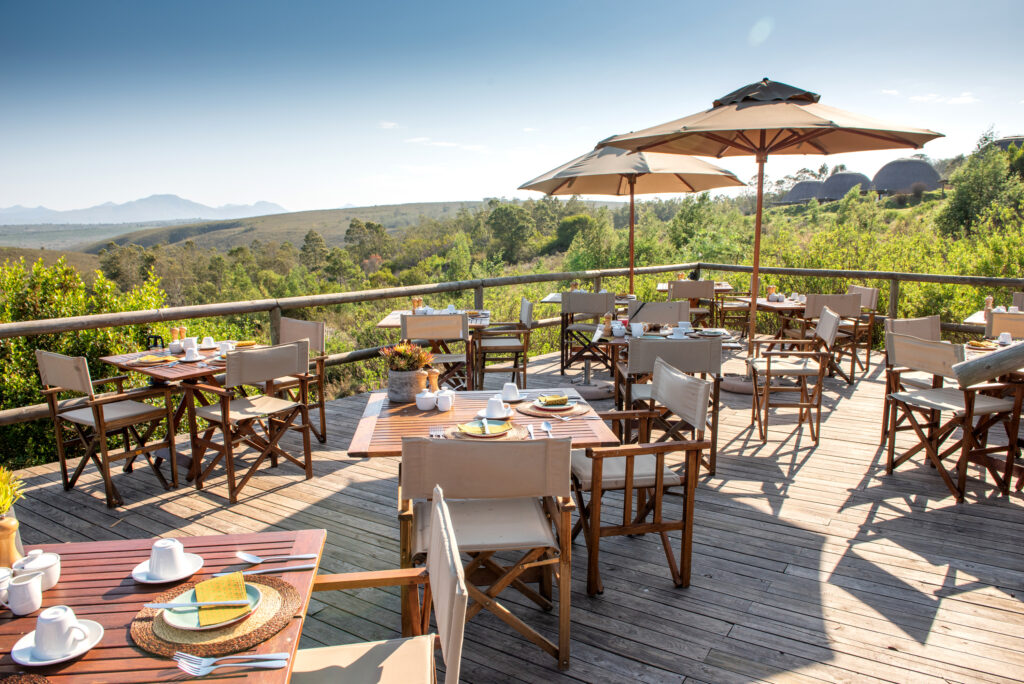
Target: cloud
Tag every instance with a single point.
(889, 91)
(760, 31)
(387, 124)
(529, 130)
(965, 97)
(423, 140)
(419, 140)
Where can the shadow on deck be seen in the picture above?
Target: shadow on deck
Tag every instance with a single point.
(809, 562)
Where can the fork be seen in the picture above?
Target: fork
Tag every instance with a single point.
(198, 661)
(197, 671)
(437, 431)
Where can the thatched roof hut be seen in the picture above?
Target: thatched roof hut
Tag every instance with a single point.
(1004, 143)
(838, 184)
(901, 175)
(804, 191)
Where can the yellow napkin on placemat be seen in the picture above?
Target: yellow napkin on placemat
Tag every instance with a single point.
(227, 588)
(477, 428)
(554, 400)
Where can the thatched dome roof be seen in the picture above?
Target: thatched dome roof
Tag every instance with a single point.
(1004, 143)
(900, 175)
(838, 184)
(804, 191)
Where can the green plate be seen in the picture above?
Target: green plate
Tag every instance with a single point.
(188, 619)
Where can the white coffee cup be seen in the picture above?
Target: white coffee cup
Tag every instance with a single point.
(190, 343)
(636, 329)
(225, 347)
(1000, 309)
(684, 326)
(192, 354)
(510, 391)
(496, 408)
(1014, 309)
(426, 400)
(445, 400)
(167, 559)
(57, 633)
(451, 308)
(208, 341)
(618, 331)
(5, 579)
(25, 593)
(795, 296)
(1005, 337)
(803, 299)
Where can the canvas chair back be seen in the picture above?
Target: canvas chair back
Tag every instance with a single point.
(926, 328)
(67, 372)
(688, 356)
(1018, 300)
(846, 305)
(828, 325)
(526, 313)
(868, 296)
(251, 366)
(928, 356)
(666, 313)
(293, 330)
(684, 395)
(594, 303)
(497, 470)
(1001, 322)
(435, 327)
(447, 585)
(691, 289)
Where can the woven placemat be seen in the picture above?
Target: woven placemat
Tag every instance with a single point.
(24, 678)
(518, 432)
(278, 606)
(531, 410)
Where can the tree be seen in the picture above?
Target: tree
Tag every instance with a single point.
(513, 228)
(983, 183)
(593, 247)
(366, 238)
(695, 213)
(313, 254)
(459, 259)
(568, 228)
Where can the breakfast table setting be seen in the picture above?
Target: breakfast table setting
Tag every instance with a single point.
(221, 607)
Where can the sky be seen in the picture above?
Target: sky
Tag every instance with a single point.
(316, 105)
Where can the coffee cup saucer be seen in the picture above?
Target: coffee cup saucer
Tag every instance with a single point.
(140, 573)
(23, 654)
(482, 413)
(521, 397)
(203, 347)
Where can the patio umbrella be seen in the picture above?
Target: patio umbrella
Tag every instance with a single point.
(766, 118)
(614, 171)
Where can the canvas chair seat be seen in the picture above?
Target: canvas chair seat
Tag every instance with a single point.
(449, 358)
(117, 414)
(613, 475)
(735, 306)
(794, 334)
(246, 408)
(952, 399)
(489, 525)
(583, 327)
(802, 367)
(640, 391)
(393, 661)
(699, 311)
(496, 343)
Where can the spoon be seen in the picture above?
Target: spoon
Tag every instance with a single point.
(546, 427)
(254, 559)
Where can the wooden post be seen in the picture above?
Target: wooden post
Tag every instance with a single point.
(597, 284)
(988, 366)
(632, 228)
(755, 281)
(478, 297)
(275, 325)
(894, 299)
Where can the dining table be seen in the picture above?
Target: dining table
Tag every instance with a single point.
(720, 288)
(393, 321)
(96, 583)
(384, 424)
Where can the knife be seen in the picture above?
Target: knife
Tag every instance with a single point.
(290, 568)
(487, 428)
(197, 604)
(529, 428)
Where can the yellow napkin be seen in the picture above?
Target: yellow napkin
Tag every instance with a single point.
(478, 428)
(553, 400)
(245, 343)
(227, 588)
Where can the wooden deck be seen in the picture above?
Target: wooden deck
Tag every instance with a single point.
(810, 564)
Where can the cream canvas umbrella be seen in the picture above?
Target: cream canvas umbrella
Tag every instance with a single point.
(763, 119)
(613, 171)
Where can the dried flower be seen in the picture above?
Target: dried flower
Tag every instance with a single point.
(406, 356)
(10, 489)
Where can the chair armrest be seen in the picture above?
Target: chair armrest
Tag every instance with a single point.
(790, 352)
(376, 578)
(113, 378)
(637, 413)
(204, 387)
(777, 340)
(137, 393)
(404, 508)
(648, 448)
(989, 386)
(566, 503)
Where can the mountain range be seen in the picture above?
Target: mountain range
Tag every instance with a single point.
(152, 208)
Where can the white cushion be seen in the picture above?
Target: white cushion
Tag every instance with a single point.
(952, 399)
(119, 412)
(395, 661)
(489, 524)
(498, 343)
(780, 367)
(613, 471)
(246, 408)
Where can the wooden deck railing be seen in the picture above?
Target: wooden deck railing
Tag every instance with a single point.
(276, 307)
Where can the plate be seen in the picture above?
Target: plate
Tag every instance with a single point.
(189, 619)
(497, 427)
(542, 407)
(210, 348)
(482, 413)
(22, 651)
(141, 571)
(710, 333)
(184, 360)
(522, 398)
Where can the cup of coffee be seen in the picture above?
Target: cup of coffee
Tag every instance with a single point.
(192, 354)
(445, 400)
(189, 343)
(25, 593)
(451, 308)
(1005, 337)
(57, 633)
(636, 329)
(684, 326)
(496, 408)
(208, 342)
(795, 296)
(510, 391)
(225, 347)
(167, 559)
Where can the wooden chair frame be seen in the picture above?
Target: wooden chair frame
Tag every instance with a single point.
(94, 439)
(850, 327)
(861, 336)
(516, 352)
(293, 330)
(581, 341)
(926, 328)
(456, 369)
(698, 293)
(732, 314)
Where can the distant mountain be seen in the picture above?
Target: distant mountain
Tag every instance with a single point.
(152, 208)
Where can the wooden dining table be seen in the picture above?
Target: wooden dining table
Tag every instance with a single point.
(720, 288)
(383, 425)
(393, 321)
(96, 583)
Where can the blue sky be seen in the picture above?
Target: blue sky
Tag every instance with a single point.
(321, 104)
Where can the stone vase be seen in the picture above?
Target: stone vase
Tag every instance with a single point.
(404, 385)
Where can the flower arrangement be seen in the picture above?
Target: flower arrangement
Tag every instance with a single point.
(10, 490)
(406, 356)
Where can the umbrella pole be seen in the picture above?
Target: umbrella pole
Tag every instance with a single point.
(755, 272)
(632, 224)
